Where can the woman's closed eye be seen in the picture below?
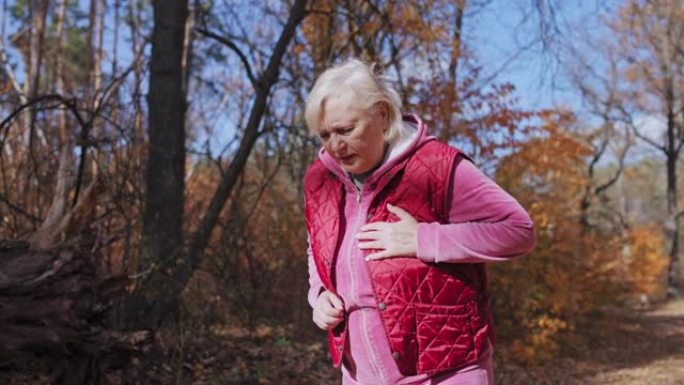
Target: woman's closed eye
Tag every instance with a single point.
(342, 131)
(345, 130)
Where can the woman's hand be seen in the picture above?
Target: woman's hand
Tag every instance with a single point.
(394, 239)
(329, 311)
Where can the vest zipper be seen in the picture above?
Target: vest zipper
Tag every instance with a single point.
(351, 246)
(354, 242)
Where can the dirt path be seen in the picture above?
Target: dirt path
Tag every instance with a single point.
(656, 355)
(643, 350)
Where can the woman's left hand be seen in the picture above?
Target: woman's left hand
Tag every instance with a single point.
(394, 239)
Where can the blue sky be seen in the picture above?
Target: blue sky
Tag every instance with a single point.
(496, 34)
(505, 45)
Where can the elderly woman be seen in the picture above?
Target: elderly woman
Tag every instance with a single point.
(400, 228)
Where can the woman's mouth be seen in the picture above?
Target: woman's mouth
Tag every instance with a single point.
(346, 159)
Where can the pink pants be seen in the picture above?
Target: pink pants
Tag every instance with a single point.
(481, 375)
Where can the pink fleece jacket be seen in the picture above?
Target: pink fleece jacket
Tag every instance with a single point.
(486, 225)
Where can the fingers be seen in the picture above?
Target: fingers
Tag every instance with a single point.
(402, 214)
(371, 245)
(325, 321)
(368, 235)
(391, 239)
(333, 324)
(398, 211)
(336, 302)
(374, 226)
(380, 255)
(329, 310)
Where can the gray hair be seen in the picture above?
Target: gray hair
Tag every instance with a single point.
(369, 89)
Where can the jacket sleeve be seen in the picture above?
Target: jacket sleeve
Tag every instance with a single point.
(486, 223)
(315, 284)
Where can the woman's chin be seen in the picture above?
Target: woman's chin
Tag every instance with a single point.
(353, 170)
(351, 166)
(357, 168)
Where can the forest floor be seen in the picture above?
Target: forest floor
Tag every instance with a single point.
(646, 348)
(629, 348)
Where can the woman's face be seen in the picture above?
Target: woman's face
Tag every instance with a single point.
(354, 137)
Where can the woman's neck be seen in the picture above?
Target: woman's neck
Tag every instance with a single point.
(360, 178)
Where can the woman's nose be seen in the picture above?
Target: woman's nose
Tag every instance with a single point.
(336, 142)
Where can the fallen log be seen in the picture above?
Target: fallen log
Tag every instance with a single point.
(57, 303)
(56, 312)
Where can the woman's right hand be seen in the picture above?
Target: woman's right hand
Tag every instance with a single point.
(329, 311)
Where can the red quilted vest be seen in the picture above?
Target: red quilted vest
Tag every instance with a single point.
(436, 316)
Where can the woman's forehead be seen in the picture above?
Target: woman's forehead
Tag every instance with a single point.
(340, 110)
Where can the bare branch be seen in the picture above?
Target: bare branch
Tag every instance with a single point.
(51, 234)
(67, 102)
(679, 215)
(228, 43)
(18, 209)
(679, 145)
(628, 119)
(621, 164)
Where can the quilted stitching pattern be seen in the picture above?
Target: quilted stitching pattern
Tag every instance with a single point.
(323, 201)
(436, 315)
(441, 341)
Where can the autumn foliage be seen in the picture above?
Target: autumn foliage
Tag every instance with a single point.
(605, 221)
(576, 271)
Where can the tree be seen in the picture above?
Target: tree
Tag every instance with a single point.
(650, 53)
(162, 235)
(575, 271)
(158, 293)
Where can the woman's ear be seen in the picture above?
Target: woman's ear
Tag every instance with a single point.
(382, 109)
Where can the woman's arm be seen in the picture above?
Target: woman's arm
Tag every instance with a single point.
(487, 223)
(328, 308)
(315, 284)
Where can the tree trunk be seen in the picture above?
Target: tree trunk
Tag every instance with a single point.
(158, 294)
(36, 12)
(162, 236)
(651, 28)
(672, 225)
(90, 52)
(59, 71)
(94, 80)
(65, 176)
(115, 43)
(456, 42)
(188, 39)
(452, 94)
(138, 134)
(37, 15)
(323, 23)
